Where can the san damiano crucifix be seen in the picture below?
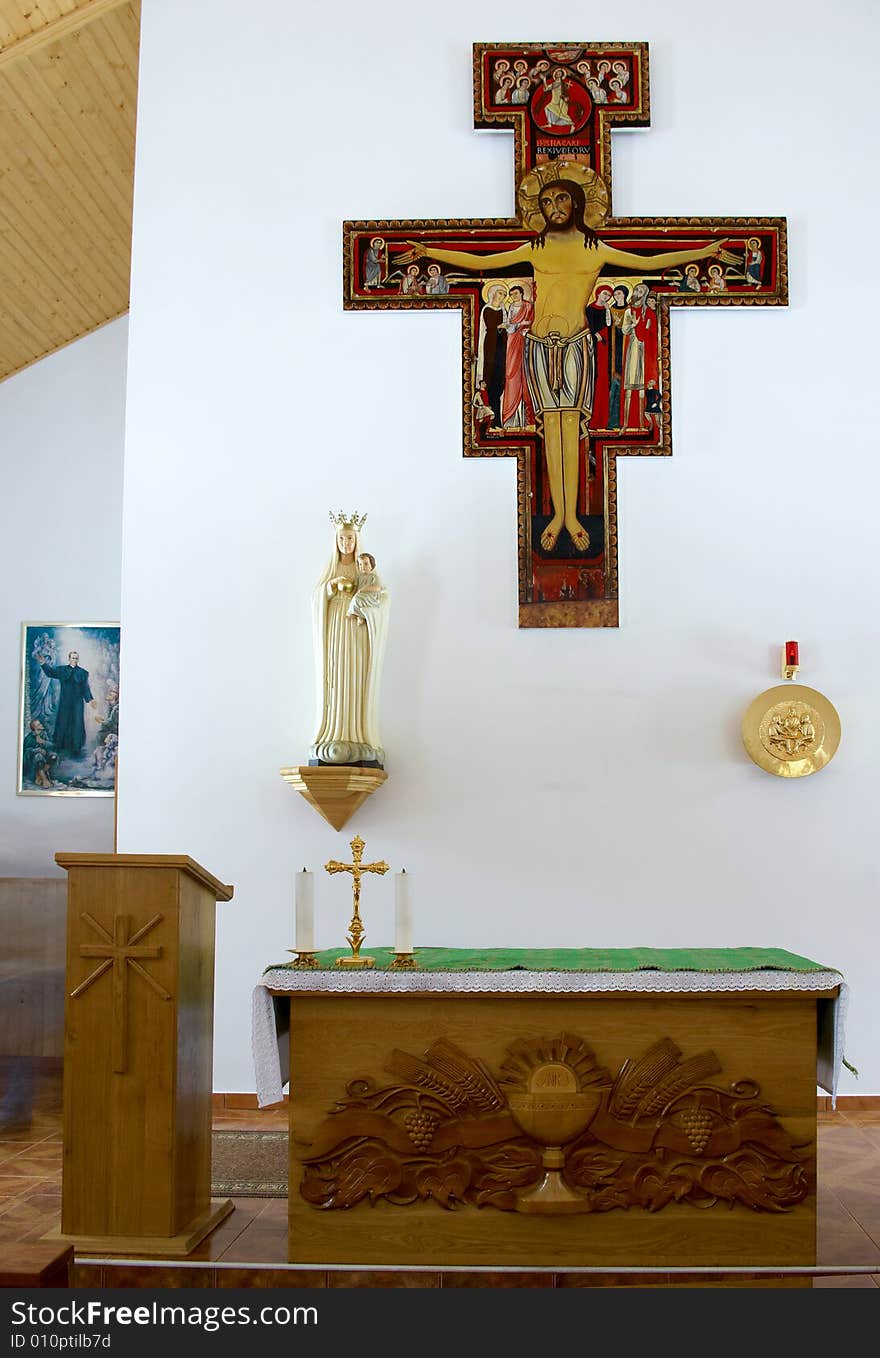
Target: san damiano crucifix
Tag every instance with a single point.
(565, 309)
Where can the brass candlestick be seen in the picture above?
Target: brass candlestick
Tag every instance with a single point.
(304, 960)
(357, 868)
(404, 961)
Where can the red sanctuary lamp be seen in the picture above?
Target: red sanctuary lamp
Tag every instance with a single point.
(791, 730)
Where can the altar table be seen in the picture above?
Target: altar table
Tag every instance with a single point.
(554, 1108)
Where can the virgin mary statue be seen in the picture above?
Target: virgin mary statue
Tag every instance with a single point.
(349, 621)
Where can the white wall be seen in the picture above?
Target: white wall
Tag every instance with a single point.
(570, 787)
(61, 434)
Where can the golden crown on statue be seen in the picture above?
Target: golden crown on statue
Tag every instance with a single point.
(340, 520)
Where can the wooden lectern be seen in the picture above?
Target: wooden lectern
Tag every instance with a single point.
(138, 1049)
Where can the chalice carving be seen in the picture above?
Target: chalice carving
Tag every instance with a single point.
(553, 1090)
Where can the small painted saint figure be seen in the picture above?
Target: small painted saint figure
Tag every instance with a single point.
(754, 262)
(373, 263)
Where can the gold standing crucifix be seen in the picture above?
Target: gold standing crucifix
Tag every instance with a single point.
(120, 952)
(357, 869)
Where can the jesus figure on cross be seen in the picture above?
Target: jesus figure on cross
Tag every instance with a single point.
(566, 258)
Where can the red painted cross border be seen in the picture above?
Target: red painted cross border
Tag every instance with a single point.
(565, 309)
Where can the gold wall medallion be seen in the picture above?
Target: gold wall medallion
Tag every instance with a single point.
(791, 730)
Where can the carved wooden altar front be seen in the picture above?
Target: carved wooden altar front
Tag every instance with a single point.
(553, 1130)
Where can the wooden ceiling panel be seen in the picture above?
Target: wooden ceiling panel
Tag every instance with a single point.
(19, 18)
(68, 98)
(25, 24)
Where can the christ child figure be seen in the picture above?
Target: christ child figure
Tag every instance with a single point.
(370, 591)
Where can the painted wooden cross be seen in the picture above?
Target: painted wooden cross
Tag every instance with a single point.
(120, 952)
(565, 308)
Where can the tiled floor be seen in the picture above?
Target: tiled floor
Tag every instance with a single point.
(256, 1232)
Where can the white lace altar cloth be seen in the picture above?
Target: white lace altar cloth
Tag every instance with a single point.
(270, 1022)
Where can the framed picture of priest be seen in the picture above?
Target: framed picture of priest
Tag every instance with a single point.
(69, 713)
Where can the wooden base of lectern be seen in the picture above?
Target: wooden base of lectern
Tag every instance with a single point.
(165, 1246)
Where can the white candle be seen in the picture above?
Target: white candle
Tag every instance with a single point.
(402, 913)
(305, 911)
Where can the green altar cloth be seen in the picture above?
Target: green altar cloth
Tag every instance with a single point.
(545, 971)
(583, 959)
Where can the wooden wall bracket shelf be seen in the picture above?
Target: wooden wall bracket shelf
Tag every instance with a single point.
(335, 791)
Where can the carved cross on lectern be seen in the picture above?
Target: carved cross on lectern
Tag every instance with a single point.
(565, 308)
(120, 952)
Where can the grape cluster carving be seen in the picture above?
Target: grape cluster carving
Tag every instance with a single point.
(698, 1127)
(420, 1128)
